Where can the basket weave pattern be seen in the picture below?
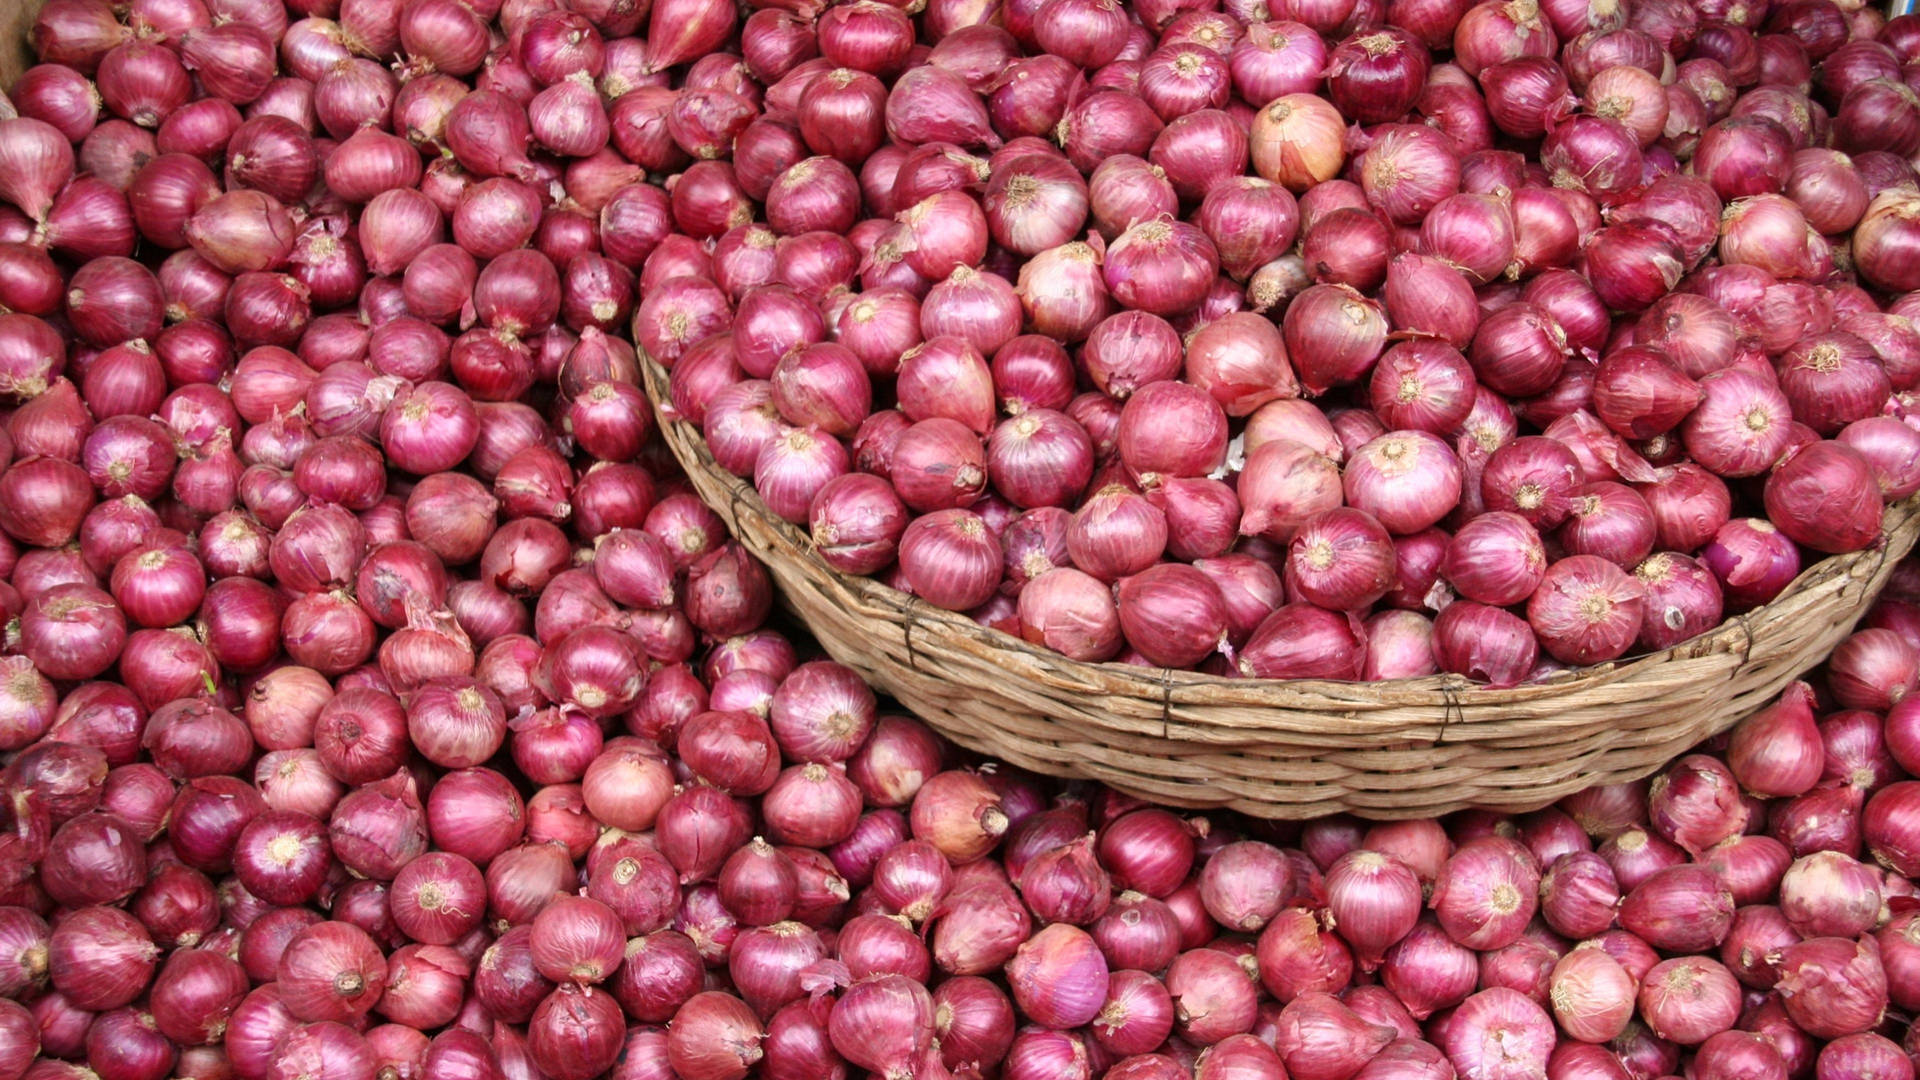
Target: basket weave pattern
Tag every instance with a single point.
(1297, 749)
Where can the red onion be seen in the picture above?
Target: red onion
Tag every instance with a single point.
(1496, 558)
(1406, 479)
(1740, 427)
(1169, 430)
(1497, 1032)
(194, 994)
(576, 939)
(1298, 956)
(1752, 559)
(575, 1034)
(1302, 641)
(1885, 839)
(1375, 899)
(1341, 559)
(1883, 233)
(40, 158)
(1129, 350)
(1831, 380)
(1861, 1054)
(1248, 865)
(1849, 514)
(1058, 977)
(1172, 615)
(519, 884)
(1526, 95)
(331, 970)
(1688, 1000)
(1422, 386)
(946, 377)
(1214, 995)
(1109, 121)
(104, 958)
(1486, 893)
(1250, 221)
(958, 814)
(1408, 171)
(983, 926)
(1161, 268)
(1827, 894)
(1277, 58)
(1318, 1038)
(1281, 485)
(1297, 139)
(1592, 995)
(1831, 987)
(1035, 202)
(1138, 929)
(1125, 189)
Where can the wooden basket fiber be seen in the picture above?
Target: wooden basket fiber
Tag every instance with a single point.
(16, 55)
(1301, 748)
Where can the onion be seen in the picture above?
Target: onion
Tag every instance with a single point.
(1496, 558)
(1831, 987)
(1341, 559)
(1115, 533)
(1126, 189)
(1160, 267)
(1172, 615)
(1407, 172)
(1250, 221)
(1860, 1054)
(1831, 380)
(1058, 977)
(1297, 140)
(1486, 893)
(331, 969)
(194, 994)
(1884, 837)
(1302, 641)
(958, 814)
(1348, 246)
(1406, 479)
(1130, 350)
(1296, 956)
(1375, 899)
(1171, 430)
(714, 1036)
(1828, 894)
(1334, 335)
(1883, 233)
(1318, 1038)
(1849, 514)
(1422, 386)
(1498, 1031)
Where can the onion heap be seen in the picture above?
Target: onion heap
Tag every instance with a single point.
(1489, 339)
(378, 702)
(750, 868)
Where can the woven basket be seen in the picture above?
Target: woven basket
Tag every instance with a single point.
(1410, 748)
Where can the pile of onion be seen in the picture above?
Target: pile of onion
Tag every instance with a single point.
(1355, 314)
(379, 701)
